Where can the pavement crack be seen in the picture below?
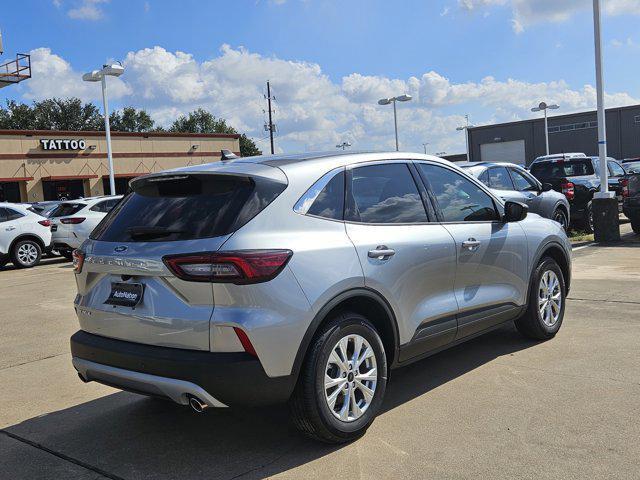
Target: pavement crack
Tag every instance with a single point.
(264, 465)
(62, 456)
(606, 301)
(33, 361)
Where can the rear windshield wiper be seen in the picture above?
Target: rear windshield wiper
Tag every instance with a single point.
(138, 233)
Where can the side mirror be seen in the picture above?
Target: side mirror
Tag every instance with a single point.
(514, 211)
(547, 187)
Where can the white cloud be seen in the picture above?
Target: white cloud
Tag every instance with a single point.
(312, 111)
(87, 10)
(529, 12)
(52, 76)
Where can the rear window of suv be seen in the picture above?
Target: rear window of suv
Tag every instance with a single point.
(187, 208)
(559, 169)
(66, 209)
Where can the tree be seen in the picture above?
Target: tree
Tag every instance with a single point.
(202, 121)
(131, 120)
(51, 114)
(17, 116)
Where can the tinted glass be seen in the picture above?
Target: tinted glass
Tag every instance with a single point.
(632, 167)
(484, 177)
(3, 215)
(104, 206)
(616, 170)
(187, 208)
(66, 209)
(385, 194)
(522, 182)
(499, 178)
(12, 214)
(559, 169)
(459, 199)
(330, 201)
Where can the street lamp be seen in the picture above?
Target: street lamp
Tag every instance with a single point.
(114, 70)
(544, 107)
(465, 128)
(343, 145)
(424, 145)
(387, 101)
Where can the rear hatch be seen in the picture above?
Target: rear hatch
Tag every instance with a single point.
(69, 212)
(125, 289)
(573, 177)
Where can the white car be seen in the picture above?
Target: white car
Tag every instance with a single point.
(72, 222)
(24, 235)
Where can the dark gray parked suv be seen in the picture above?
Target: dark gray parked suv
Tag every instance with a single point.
(306, 278)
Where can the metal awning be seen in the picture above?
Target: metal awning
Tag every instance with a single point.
(68, 177)
(15, 179)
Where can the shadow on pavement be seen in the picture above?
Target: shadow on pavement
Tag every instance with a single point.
(136, 437)
(45, 261)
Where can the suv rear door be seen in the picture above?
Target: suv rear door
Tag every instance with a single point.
(171, 214)
(491, 278)
(404, 256)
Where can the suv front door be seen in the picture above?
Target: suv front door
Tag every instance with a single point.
(492, 273)
(405, 257)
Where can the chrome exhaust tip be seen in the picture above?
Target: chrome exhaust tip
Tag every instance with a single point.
(197, 405)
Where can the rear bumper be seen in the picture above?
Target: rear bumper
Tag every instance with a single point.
(220, 379)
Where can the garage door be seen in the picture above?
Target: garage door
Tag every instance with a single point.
(512, 152)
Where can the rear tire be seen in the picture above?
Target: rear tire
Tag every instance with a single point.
(26, 254)
(68, 254)
(635, 226)
(335, 401)
(547, 299)
(588, 219)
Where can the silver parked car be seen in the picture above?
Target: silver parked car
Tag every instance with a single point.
(306, 278)
(512, 182)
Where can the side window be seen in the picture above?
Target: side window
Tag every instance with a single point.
(325, 198)
(12, 214)
(459, 199)
(4, 216)
(100, 207)
(499, 178)
(484, 177)
(384, 194)
(522, 182)
(616, 169)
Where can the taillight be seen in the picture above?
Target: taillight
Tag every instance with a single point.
(72, 220)
(45, 223)
(240, 267)
(78, 260)
(244, 340)
(625, 187)
(568, 189)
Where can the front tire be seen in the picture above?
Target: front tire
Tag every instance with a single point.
(26, 254)
(547, 299)
(68, 254)
(560, 216)
(635, 225)
(342, 382)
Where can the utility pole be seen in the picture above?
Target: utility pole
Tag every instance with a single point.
(270, 126)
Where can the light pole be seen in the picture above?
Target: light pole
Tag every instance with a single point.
(343, 145)
(387, 101)
(465, 127)
(424, 145)
(543, 107)
(114, 70)
(606, 226)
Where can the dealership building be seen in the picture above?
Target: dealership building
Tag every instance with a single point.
(521, 142)
(40, 165)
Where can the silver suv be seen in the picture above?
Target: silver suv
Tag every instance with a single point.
(306, 278)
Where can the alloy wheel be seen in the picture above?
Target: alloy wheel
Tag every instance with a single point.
(549, 298)
(27, 253)
(350, 378)
(561, 218)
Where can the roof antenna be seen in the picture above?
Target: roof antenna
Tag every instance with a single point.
(227, 155)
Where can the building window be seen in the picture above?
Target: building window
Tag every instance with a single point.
(636, 119)
(576, 126)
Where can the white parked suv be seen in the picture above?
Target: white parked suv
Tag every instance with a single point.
(24, 235)
(73, 221)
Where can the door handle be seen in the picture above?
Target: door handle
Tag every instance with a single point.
(381, 252)
(472, 244)
(8, 229)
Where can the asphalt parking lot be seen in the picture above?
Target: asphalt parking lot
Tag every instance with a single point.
(496, 407)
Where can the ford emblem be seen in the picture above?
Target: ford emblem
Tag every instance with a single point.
(120, 249)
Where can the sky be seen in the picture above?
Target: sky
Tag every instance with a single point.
(329, 62)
